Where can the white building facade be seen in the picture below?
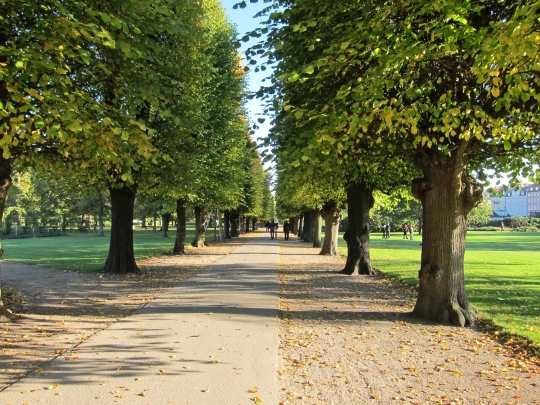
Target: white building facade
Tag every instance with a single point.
(524, 202)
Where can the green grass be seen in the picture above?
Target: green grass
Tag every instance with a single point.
(86, 252)
(502, 274)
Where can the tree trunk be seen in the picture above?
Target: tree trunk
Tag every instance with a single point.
(247, 222)
(235, 224)
(121, 257)
(200, 227)
(227, 220)
(307, 227)
(5, 184)
(317, 229)
(294, 225)
(332, 216)
(254, 224)
(301, 226)
(155, 223)
(220, 226)
(179, 243)
(360, 201)
(101, 215)
(448, 194)
(165, 220)
(143, 225)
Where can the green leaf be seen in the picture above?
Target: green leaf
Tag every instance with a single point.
(309, 70)
(111, 43)
(75, 127)
(261, 120)
(296, 163)
(299, 114)
(507, 145)
(19, 64)
(305, 158)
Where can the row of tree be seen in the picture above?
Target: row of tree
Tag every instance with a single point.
(379, 96)
(135, 97)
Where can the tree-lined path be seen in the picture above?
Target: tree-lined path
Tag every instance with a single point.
(233, 333)
(213, 339)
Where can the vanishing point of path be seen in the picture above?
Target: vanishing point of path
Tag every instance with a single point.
(211, 340)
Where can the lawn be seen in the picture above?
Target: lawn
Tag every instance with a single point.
(86, 252)
(502, 274)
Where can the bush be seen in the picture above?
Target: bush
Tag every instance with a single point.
(526, 229)
(486, 228)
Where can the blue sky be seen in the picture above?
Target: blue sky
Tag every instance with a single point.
(243, 18)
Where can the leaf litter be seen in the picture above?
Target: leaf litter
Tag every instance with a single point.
(349, 340)
(62, 308)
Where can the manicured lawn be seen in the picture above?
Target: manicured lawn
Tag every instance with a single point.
(86, 252)
(502, 274)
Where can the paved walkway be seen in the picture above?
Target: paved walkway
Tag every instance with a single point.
(211, 340)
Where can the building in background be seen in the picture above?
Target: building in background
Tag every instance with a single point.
(524, 202)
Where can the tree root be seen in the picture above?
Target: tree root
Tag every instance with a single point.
(6, 313)
(453, 314)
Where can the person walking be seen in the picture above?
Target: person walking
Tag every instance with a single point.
(388, 230)
(272, 226)
(411, 232)
(405, 231)
(286, 229)
(384, 231)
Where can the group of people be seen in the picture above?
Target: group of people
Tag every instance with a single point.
(408, 231)
(273, 226)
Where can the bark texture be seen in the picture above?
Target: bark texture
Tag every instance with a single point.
(200, 227)
(332, 216)
(294, 225)
(301, 226)
(121, 257)
(180, 241)
(360, 201)
(317, 229)
(165, 220)
(308, 227)
(448, 194)
(235, 224)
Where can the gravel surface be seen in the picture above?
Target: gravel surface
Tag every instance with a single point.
(61, 308)
(349, 340)
(343, 339)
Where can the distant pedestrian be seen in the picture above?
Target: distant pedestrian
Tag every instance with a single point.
(272, 226)
(411, 232)
(388, 230)
(384, 231)
(405, 231)
(286, 229)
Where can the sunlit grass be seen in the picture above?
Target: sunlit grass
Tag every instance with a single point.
(502, 274)
(85, 252)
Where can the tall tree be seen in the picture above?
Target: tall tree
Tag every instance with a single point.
(451, 88)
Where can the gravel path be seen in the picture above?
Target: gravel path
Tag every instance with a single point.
(349, 340)
(343, 339)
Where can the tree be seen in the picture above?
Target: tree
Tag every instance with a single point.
(451, 88)
(481, 214)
